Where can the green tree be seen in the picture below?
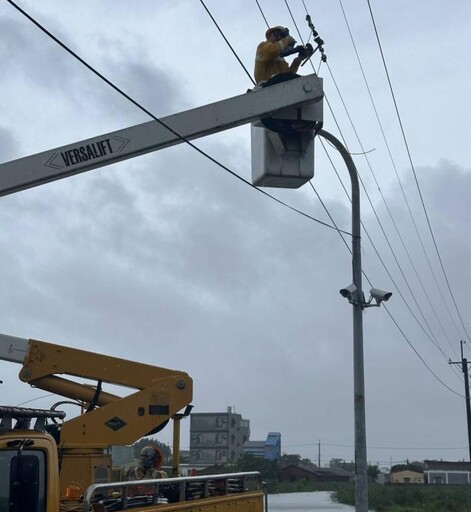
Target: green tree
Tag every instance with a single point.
(307, 462)
(267, 468)
(373, 472)
(293, 458)
(411, 466)
(290, 458)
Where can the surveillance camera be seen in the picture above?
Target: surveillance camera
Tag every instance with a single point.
(380, 295)
(348, 292)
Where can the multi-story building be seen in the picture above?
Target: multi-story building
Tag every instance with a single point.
(217, 437)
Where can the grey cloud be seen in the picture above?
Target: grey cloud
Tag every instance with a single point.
(30, 57)
(194, 263)
(8, 145)
(40, 62)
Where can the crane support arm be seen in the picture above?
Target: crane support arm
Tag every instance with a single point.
(159, 392)
(85, 155)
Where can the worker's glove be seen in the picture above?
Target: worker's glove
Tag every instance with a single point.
(292, 49)
(305, 51)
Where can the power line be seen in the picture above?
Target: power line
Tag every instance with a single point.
(413, 170)
(390, 214)
(427, 295)
(431, 335)
(328, 213)
(407, 203)
(434, 340)
(294, 21)
(374, 247)
(403, 194)
(418, 355)
(312, 186)
(330, 216)
(261, 12)
(312, 65)
(228, 43)
(34, 399)
(390, 314)
(379, 221)
(379, 447)
(404, 447)
(183, 139)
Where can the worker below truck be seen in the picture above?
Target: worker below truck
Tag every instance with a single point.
(52, 464)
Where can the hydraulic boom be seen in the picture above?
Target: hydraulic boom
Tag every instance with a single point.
(109, 419)
(112, 147)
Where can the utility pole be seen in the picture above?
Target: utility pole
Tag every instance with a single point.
(361, 477)
(464, 367)
(319, 454)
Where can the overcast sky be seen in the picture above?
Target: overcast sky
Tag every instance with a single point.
(169, 260)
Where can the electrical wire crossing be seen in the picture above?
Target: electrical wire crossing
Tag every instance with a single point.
(406, 144)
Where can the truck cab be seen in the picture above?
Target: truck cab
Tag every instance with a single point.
(28, 464)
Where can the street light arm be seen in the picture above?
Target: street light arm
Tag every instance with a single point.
(354, 180)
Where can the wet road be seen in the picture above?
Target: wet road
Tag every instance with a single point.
(305, 502)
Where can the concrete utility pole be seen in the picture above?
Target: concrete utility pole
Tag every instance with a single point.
(464, 367)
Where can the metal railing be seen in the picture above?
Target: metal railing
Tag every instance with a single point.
(142, 493)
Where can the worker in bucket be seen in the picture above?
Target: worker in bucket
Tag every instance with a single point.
(149, 466)
(269, 59)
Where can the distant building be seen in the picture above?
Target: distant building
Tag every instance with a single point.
(184, 456)
(217, 437)
(382, 478)
(273, 446)
(270, 449)
(342, 463)
(446, 472)
(255, 448)
(406, 476)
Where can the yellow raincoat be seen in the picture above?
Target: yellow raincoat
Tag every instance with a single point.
(268, 61)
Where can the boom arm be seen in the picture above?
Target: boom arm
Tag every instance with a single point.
(112, 147)
(160, 394)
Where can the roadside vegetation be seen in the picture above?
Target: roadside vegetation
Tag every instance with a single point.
(381, 498)
(411, 498)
